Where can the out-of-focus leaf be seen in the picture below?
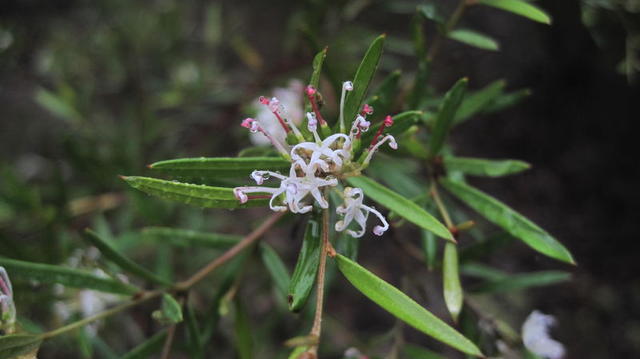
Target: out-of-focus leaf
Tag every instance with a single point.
(507, 100)
(362, 79)
(485, 247)
(188, 238)
(401, 123)
(451, 280)
(485, 167)
(445, 116)
(243, 340)
(276, 268)
(120, 260)
(419, 39)
(419, 92)
(193, 194)
(482, 271)
(217, 167)
(475, 39)
(304, 274)
(402, 206)
(295, 353)
(432, 12)
(429, 247)
(403, 307)
(477, 101)
(147, 348)
(383, 98)
(195, 344)
(12, 346)
(57, 105)
(510, 220)
(411, 351)
(170, 311)
(523, 281)
(519, 7)
(48, 273)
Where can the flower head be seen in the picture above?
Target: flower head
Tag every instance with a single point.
(7, 306)
(317, 162)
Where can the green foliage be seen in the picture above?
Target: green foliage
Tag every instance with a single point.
(453, 295)
(446, 114)
(475, 39)
(211, 168)
(519, 7)
(482, 167)
(403, 307)
(12, 346)
(304, 274)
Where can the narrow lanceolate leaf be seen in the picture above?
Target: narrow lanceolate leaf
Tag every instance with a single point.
(419, 92)
(507, 100)
(147, 348)
(446, 114)
(304, 274)
(189, 238)
(219, 167)
(120, 260)
(510, 220)
(195, 344)
(430, 248)
(48, 273)
(403, 307)
(451, 280)
(523, 281)
(383, 99)
(478, 101)
(171, 309)
(402, 206)
(484, 167)
(519, 7)
(12, 346)
(411, 351)
(243, 339)
(401, 123)
(317, 63)
(363, 78)
(276, 268)
(475, 39)
(193, 194)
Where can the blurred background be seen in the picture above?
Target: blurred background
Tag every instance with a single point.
(93, 89)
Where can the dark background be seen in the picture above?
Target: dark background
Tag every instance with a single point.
(576, 128)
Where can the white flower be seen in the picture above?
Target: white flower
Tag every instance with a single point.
(354, 210)
(288, 101)
(7, 306)
(535, 336)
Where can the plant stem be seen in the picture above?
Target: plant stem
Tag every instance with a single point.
(232, 252)
(168, 342)
(443, 210)
(453, 20)
(316, 329)
(143, 298)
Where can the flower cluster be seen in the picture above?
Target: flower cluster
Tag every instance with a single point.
(318, 158)
(7, 306)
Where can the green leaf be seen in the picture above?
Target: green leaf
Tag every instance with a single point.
(482, 271)
(411, 351)
(419, 91)
(485, 167)
(243, 339)
(403, 307)
(204, 168)
(523, 281)
(446, 114)
(276, 268)
(401, 123)
(402, 206)
(147, 348)
(479, 100)
(519, 7)
(195, 344)
(14, 345)
(363, 78)
(317, 63)
(193, 194)
(432, 12)
(48, 273)
(419, 39)
(451, 280)
(383, 99)
(120, 260)
(58, 105)
(304, 274)
(507, 100)
(475, 39)
(430, 248)
(188, 238)
(510, 220)
(170, 311)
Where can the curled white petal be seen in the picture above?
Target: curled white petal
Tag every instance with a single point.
(535, 336)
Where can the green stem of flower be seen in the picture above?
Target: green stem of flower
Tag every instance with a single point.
(316, 329)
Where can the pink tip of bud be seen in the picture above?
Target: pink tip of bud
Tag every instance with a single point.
(241, 196)
(247, 122)
(310, 90)
(378, 230)
(263, 100)
(388, 121)
(367, 109)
